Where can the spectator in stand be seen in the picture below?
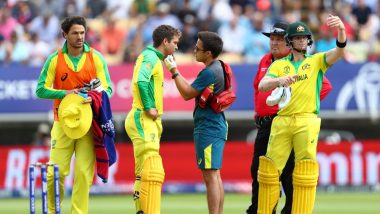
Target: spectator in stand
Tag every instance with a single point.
(119, 9)
(95, 8)
(374, 53)
(39, 50)
(162, 16)
(93, 39)
(137, 38)
(24, 11)
(313, 15)
(56, 7)
(218, 10)
(18, 51)
(361, 12)
(8, 24)
(189, 35)
(230, 32)
(143, 7)
(256, 46)
(348, 20)
(112, 40)
(3, 51)
(46, 25)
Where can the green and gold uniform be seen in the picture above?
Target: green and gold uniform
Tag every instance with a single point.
(296, 126)
(63, 72)
(145, 133)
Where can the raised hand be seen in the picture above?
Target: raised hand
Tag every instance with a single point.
(334, 22)
(170, 62)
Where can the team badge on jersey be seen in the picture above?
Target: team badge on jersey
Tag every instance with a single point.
(286, 69)
(306, 66)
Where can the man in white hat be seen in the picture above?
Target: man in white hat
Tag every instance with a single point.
(297, 125)
(65, 72)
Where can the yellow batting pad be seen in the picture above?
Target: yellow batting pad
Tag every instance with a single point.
(152, 178)
(305, 179)
(269, 186)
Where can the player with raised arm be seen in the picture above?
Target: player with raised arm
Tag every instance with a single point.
(297, 125)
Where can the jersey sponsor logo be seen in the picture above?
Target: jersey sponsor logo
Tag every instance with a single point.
(302, 77)
(64, 76)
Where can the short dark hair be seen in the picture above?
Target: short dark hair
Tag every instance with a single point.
(211, 42)
(73, 20)
(164, 32)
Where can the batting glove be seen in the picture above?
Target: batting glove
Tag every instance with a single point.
(170, 62)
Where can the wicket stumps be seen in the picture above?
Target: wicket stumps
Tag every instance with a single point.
(32, 187)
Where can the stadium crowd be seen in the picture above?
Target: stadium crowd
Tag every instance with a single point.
(29, 29)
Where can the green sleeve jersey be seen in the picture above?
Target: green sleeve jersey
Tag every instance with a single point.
(148, 81)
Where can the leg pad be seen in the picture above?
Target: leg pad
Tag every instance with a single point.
(305, 179)
(269, 186)
(148, 196)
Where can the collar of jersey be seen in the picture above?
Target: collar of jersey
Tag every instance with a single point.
(159, 54)
(86, 47)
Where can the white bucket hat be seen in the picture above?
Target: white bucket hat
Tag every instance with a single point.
(281, 96)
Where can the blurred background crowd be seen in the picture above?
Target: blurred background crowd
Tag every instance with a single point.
(120, 29)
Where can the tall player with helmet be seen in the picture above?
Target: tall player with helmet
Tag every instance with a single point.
(297, 124)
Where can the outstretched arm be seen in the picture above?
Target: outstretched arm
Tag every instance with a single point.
(184, 88)
(337, 53)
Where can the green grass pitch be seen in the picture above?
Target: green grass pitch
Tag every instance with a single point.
(326, 203)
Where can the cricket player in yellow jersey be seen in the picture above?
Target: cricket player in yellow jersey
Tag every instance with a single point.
(143, 122)
(65, 72)
(297, 124)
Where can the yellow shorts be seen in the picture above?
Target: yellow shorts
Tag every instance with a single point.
(145, 135)
(299, 132)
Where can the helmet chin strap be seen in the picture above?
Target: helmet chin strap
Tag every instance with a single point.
(298, 50)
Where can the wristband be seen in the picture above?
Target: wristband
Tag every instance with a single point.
(341, 44)
(175, 75)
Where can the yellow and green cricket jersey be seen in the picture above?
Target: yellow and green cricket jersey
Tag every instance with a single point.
(148, 81)
(306, 90)
(63, 72)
